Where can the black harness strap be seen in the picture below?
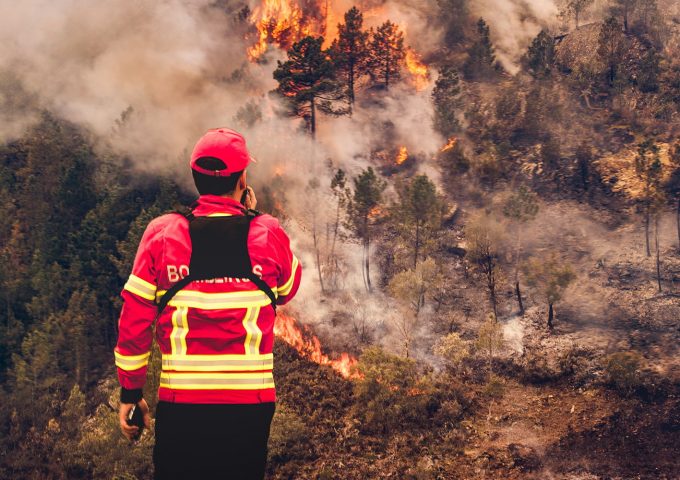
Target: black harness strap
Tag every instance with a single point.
(219, 248)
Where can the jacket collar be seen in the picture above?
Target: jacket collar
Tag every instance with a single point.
(214, 204)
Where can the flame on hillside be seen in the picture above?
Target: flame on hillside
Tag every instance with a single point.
(417, 69)
(286, 327)
(284, 22)
(449, 145)
(401, 156)
(280, 22)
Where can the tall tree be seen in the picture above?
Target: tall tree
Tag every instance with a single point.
(387, 53)
(575, 8)
(453, 17)
(307, 81)
(541, 55)
(410, 288)
(481, 61)
(672, 185)
(649, 70)
(611, 48)
(584, 159)
(446, 100)
(341, 194)
(349, 51)
(624, 9)
(485, 238)
(420, 213)
(368, 189)
(521, 208)
(648, 170)
(550, 277)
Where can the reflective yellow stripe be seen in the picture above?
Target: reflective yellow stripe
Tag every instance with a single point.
(220, 214)
(253, 332)
(180, 328)
(131, 362)
(218, 301)
(218, 363)
(288, 286)
(217, 381)
(140, 287)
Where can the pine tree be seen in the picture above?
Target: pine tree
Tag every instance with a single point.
(672, 185)
(307, 81)
(349, 51)
(481, 62)
(368, 188)
(648, 169)
(521, 208)
(550, 277)
(649, 70)
(575, 8)
(584, 159)
(624, 9)
(445, 99)
(419, 213)
(611, 48)
(541, 55)
(453, 17)
(485, 239)
(387, 54)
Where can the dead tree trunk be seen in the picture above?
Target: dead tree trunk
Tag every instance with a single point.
(678, 222)
(519, 297)
(656, 246)
(551, 315)
(647, 215)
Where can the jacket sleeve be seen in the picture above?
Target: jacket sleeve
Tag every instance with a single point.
(135, 323)
(290, 267)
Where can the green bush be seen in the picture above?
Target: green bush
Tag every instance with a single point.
(623, 371)
(391, 394)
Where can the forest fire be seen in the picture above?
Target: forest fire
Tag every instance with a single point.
(281, 22)
(417, 69)
(284, 22)
(309, 346)
(401, 156)
(449, 145)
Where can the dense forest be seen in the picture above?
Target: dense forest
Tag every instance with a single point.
(489, 226)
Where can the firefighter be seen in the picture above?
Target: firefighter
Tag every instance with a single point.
(211, 281)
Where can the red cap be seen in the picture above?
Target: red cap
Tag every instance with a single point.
(226, 145)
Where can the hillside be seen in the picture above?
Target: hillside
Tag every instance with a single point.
(485, 199)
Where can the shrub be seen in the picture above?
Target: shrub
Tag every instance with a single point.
(288, 435)
(453, 349)
(623, 371)
(391, 394)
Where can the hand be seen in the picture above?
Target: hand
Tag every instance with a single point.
(131, 430)
(251, 201)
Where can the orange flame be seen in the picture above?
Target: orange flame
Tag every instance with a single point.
(309, 346)
(284, 22)
(401, 156)
(451, 144)
(417, 69)
(280, 22)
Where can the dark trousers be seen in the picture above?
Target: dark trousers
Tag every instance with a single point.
(206, 442)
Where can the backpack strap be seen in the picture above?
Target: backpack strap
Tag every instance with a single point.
(207, 234)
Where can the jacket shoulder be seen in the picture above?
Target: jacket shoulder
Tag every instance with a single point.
(166, 220)
(267, 221)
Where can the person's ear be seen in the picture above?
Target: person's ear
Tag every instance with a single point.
(242, 182)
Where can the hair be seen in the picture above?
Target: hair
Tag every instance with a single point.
(210, 184)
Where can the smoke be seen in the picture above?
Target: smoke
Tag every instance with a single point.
(165, 63)
(514, 24)
(147, 78)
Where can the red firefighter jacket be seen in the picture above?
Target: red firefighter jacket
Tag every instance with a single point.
(215, 336)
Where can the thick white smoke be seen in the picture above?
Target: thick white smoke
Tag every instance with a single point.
(147, 78)
(513, 24)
